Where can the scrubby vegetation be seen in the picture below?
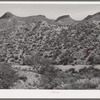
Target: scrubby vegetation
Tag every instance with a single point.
(76, 43)
(86, 78)
(39, 43)
(7, 76)
(54, 78)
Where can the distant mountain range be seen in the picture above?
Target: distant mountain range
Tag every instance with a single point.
(9, 19)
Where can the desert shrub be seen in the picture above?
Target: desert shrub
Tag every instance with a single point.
(72, 70)
(36, 60)
(94, 59)
(24, 78)
(7, 76)
(49, 78)
(65, 60)
(31, 60)
(49, 72)
(58, 87)
(70, 79)
(98, 87)
(90, 72)
(82, 70)
(91, 59)
(96, 73)
(53, 84)
(66, 86)
(43, 81)
(42, 65)
(97, 59)
(61, 75)
(82, 81)
(56, 82)
(47, 86)
(95, 81)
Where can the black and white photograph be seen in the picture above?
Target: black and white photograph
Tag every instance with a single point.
(50, 46)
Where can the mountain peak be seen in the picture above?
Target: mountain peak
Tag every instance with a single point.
(41, 15)
(7, 15)
(95, 16)
(98, 13)
(88, 17)
(63, 17)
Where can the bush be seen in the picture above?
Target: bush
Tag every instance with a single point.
(24, 78)
(36, 60)
(47, 86)
(29, 60)
(66, 86)
(44, 80)
(39, 63)
(90, 72)
(7, 76)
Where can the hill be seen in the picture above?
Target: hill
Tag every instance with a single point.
(41, 53)
(22, 37)
(95, 17)
(10, 20)
(65, 20)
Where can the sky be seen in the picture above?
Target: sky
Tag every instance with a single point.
(52, 11)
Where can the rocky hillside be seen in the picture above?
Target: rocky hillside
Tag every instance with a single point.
(63, 41)
(93, 17)
(41, 53)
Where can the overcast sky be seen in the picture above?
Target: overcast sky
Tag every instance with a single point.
(76, 11)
